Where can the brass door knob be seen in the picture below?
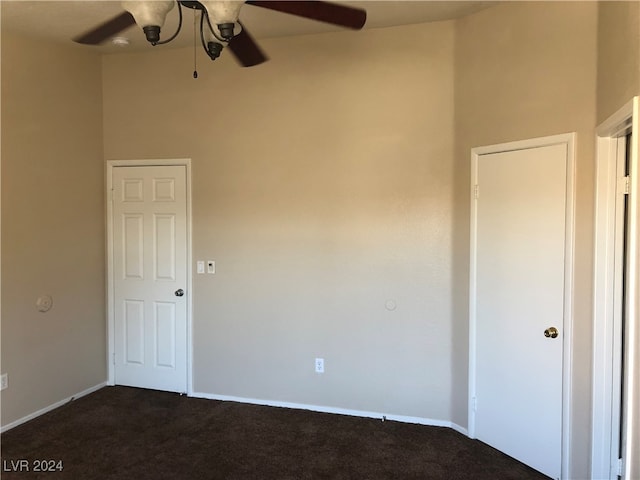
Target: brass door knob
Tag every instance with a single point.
(551, 332)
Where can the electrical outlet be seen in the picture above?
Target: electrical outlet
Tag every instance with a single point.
(319, 365)
(4, 381)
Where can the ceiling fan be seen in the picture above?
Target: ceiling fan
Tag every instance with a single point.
(219, 22)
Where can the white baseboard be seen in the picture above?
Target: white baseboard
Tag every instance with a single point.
(53, 406)
(270, 403)
(339, 411)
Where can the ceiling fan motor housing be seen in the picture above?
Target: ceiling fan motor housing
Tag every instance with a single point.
(194, 5)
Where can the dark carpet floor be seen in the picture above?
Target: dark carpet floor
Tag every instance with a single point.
(135, 434)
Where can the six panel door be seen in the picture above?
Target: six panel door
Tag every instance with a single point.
(150, 277)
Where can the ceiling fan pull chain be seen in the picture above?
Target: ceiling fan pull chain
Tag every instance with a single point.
(195, 62)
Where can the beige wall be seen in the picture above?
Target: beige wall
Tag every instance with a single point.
(618, 55)
(526, 70)
(618, 82)
(52, 224)
(325, 183)
(322, 188)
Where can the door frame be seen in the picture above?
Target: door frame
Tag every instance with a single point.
(110, 165)
(607, 324)
(568, 139)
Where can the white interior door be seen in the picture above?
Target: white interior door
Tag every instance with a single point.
(518, 291)
(149, 267)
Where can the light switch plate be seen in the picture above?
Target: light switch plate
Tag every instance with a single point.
(200, 266)
(211, 266)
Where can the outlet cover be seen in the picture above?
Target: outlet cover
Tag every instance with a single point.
(319, 365)
(4, 381)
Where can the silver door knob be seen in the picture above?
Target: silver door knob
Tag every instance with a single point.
(179, 292)
(551, 332)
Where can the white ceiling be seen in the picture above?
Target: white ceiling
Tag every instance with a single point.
(60, 21)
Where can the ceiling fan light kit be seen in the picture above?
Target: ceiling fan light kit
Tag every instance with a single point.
(224, 14)
(150, 16)
(218, 19)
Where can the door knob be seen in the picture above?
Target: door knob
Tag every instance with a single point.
(551, 332)
(180, 293)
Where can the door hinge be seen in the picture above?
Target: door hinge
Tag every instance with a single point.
(624, 184)
(476, 191)
(620, 467)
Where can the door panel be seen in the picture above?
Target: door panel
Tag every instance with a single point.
(520, 265)
(165, 247)
(149, 266)
(133, 253)
(134, 331)
(165, 327)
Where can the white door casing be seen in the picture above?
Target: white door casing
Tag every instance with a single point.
(149, 257)
(520, 285)
(607, 308)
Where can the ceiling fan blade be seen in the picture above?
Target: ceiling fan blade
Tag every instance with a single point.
(334, 13)
(246, 50)
(107, 30)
